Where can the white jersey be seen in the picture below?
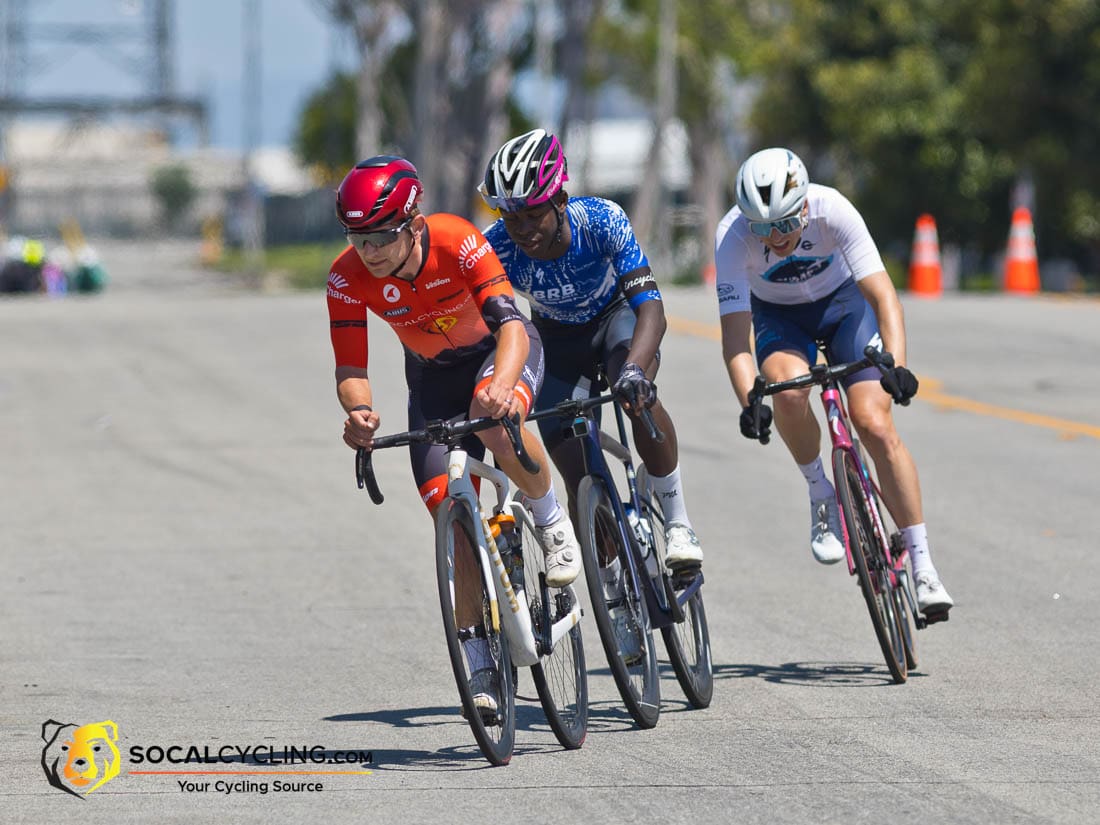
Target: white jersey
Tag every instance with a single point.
(835, 246)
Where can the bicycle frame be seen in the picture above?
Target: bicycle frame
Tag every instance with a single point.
(840, 434)
(525, 648)
(663, 610)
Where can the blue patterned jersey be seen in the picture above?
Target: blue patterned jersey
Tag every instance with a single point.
(576, 287)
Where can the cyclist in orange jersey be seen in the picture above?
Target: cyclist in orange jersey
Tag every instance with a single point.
(468, 350)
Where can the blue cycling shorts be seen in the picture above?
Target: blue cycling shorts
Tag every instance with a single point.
(843, 320)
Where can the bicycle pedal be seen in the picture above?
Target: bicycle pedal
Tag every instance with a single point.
(684, 568)
(934, 616)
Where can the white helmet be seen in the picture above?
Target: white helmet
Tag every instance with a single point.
(771, 184)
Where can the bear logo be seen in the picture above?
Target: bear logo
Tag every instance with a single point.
(81, 759)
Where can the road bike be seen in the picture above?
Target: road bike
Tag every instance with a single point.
(647, 595)
(875, 551)
(491, 575)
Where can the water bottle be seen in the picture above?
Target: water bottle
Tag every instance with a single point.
(503, 528)
(643, 533)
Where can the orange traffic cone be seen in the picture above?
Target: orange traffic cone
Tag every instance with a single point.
(925, 272)
(1021, 262)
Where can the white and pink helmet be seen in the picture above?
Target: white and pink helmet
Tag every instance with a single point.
(525, 171)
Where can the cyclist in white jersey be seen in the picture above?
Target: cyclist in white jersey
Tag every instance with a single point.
(594, 301)
(796, 264)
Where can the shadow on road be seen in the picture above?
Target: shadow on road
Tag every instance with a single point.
(812, 674)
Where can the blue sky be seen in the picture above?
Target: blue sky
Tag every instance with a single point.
(298, 50)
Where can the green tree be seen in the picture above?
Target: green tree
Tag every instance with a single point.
(175, 192)
(918, 105)
(325, 137)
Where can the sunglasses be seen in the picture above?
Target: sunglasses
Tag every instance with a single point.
(499, 204)
(784, 225)
(378, 238)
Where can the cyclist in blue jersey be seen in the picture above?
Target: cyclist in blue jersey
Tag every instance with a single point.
(594, 301)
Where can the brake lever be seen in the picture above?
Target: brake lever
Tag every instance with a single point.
(364, 475)
(756, 401)
(511, 426)
(651, 425)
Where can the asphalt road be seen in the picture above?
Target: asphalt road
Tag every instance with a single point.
(185, 553)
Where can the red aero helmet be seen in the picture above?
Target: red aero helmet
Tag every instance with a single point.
(377, 192)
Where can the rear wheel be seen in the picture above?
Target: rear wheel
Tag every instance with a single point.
(871, 562)
(633, 659)
(560, 676)
(687, 642)
(467, 616)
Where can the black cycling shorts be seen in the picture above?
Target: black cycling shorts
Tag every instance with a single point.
(446, 393)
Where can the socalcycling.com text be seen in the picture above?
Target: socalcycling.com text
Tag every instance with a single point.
(256, 754)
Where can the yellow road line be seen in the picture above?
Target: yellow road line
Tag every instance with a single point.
(932, 393)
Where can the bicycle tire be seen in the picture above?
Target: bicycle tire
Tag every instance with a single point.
(902, 583)
(638, 681)
(561, 677)
(870, 562)
(687, 642)
(456, 550)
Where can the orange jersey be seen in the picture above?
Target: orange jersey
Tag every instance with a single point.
(446, 314)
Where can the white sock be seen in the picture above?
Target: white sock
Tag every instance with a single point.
(545, 510)
(477, 654)
(816, 480)
(670, 495)
(916, 542)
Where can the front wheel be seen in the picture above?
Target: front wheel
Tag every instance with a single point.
(619, 607)
(561, 678)
(687, 642)
(475, 640)
(871, 563)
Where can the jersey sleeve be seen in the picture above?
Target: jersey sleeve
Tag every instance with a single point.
(483, 271)
(621, 243)
(731, 277)
(853, 239)
(347, 318)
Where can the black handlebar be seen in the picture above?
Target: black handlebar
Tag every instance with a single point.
(573, 407)
(821, 374)
(446, 433)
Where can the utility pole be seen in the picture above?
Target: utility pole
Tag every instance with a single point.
(252, 109)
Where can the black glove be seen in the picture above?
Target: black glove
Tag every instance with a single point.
(748, 424)
(906, 382)
(633, 389)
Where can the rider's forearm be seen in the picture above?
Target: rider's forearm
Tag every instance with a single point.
(512, 348)
(879, 291)
(648, 332)
(736, 354)
(353, 388)
(742, 373)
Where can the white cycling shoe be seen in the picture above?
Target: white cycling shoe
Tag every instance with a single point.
(681, 546)
(825, 531)
(563, 554)
(932, 596)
